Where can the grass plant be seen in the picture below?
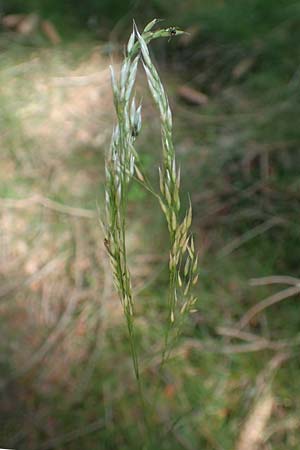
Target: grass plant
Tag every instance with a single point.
(123, 167)
(60, 318)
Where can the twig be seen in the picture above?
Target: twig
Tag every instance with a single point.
(217, 347)
(274, 279)
(249, 235)
(255, 346)
(269, 301)
(38, 199)
(238, 334)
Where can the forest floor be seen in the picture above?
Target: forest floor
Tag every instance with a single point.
(66, 377)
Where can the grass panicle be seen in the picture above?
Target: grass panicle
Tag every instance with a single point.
(183, 259)
(122, 166)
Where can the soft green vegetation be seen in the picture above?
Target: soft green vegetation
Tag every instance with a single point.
(65, 357)
(247, 63)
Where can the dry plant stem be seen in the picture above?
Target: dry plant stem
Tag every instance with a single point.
(249, 235)
(38, 199)
(274, 279)
(266, 303)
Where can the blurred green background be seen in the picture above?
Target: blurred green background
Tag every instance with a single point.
(233, 81)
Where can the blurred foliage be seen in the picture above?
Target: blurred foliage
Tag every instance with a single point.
(75, 13)
(245, 59)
